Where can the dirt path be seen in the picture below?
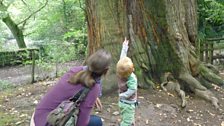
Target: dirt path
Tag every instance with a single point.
(22, 74)
(156, 108)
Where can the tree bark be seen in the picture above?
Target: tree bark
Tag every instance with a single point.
(17, 33)
(161, 33)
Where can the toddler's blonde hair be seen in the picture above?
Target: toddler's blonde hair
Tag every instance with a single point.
(124, 67)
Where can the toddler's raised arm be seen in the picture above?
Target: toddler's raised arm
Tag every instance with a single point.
(124, 49)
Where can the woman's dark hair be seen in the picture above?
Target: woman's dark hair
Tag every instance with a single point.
(98, 64)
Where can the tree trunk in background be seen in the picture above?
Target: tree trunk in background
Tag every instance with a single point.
(17, 33)
(162, 35)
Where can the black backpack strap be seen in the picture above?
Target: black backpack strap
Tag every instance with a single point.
(80, 96)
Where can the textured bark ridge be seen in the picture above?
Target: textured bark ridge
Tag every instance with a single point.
(162, 35)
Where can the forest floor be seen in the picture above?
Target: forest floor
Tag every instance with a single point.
(156, 108)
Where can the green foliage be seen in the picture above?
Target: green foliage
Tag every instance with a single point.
(60, 52)
(78, 38)
(211, 17)
(64, 23)
(57, 19)
(3, 35)
(6, 119)
(5, 85)
(1, 43)
(22, 56)
(60, 25)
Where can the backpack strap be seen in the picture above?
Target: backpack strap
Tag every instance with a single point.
(80, 96)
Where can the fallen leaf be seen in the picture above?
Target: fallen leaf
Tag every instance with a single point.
(211, 113)
(114, 103)
(188, 119)
(118, 120)
(190, 110)
(23, 115)
(35, 102)
(141, 97)
(170, 94)
(146, 121)
(116, 113)
(19, 122)
(158, 105)
(195, 124)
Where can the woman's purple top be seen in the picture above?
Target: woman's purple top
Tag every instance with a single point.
(63, 91)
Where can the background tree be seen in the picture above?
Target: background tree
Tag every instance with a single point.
(57, 27)
(17, 28)
(162, 36)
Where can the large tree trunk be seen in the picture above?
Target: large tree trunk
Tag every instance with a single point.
(162, 35)
(17, 33)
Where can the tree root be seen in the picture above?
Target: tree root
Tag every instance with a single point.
(213, 68)
(199, 89)
(170, 84)
(210, 76)
(174, 86)
(150, 83)
(189, 79)
(204, 82)
(209, 96)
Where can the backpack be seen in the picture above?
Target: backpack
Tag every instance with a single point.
(65, 114)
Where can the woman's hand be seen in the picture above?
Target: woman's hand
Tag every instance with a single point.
(98, 104)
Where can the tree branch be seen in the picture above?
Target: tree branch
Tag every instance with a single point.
(25, 20)
(80, 5)
(2, 6)
(24, 2)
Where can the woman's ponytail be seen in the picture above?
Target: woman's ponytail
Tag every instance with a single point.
(83, 77)
(98, 64)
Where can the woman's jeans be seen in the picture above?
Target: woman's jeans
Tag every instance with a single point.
(95, 121)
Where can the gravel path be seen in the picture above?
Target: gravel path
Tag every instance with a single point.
(22, 74)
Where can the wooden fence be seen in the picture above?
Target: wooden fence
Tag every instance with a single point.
(208, 47)
(19, 56)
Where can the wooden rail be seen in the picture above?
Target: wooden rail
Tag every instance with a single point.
(208, 47)
(214, 39)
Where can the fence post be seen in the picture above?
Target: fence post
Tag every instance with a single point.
(211, 53)
(206, 52)
(201, 51)
(33, 66)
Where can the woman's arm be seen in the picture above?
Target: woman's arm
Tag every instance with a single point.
(87, 105)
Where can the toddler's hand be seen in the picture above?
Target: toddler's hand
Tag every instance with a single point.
(125, 43)
(122, 95)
